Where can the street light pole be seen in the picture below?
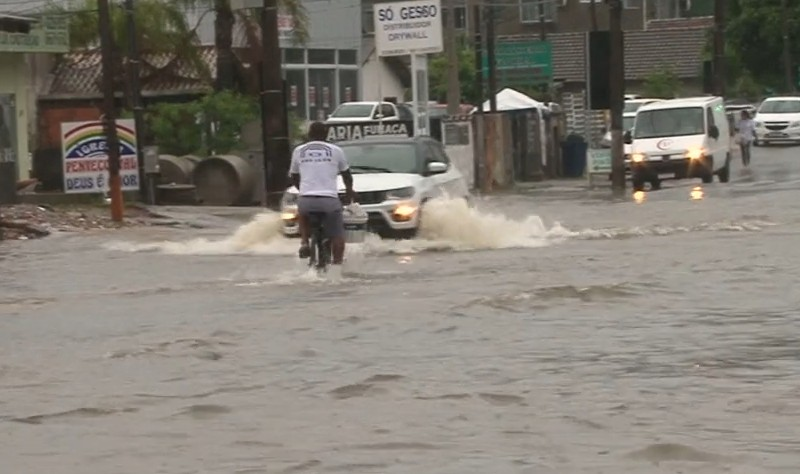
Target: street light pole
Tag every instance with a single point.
(109, 109)
(617, 96)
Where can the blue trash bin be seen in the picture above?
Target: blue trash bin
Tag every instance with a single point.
(574, 150)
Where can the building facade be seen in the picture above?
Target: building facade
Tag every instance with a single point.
(322, 72)
(20, 39)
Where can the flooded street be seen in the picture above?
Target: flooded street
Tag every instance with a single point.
(549, 331)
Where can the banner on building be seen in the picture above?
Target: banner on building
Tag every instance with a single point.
(85, 152)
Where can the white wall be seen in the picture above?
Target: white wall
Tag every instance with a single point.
(377, 79)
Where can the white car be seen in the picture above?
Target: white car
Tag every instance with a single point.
(349, 112)
(778, 120)
(393, 178)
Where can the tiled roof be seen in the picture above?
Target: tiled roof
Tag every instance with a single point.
(681, 49)
(79, 74)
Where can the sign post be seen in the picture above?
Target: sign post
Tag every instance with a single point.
(411, 28)
(599, 165)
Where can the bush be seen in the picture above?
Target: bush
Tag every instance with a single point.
(208, 126)
(662, 84)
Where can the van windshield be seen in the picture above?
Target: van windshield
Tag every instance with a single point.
(669, 122)
(780, 107)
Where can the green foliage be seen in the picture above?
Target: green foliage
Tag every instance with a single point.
(437, 75)
(747, 88)
(208, 126)
(754, 36)
(662, 83)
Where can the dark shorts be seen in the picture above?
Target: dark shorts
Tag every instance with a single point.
(331, 210)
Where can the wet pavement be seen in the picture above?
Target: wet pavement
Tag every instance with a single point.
(550, 331)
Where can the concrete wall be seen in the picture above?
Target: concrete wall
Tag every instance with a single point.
(15, 79)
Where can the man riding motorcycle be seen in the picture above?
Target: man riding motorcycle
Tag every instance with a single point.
(314, 170)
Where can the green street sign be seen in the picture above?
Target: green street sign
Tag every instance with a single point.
(520, 63)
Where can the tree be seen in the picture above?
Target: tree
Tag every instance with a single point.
(161, 28)
(662, 84)
(224, 25)
(754, 34)
(437, 75)
(207, 126)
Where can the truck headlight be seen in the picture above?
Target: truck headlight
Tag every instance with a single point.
(399, 194)
(695, 153)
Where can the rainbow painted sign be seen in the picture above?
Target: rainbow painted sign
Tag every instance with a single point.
(85, 154)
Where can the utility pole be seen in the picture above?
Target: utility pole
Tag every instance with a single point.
(136, 97)
(542, 23)
(617, 99)
(491, 59)
(109, 109)
(451, 45)
(787, 53)
(476, 13)
(277, 152)
(719, 47)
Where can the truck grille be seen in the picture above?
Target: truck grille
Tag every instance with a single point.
(371, 197)
(776, 125)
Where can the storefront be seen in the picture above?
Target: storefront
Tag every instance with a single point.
(20, 36)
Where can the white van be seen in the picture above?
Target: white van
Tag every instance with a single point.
(680, 138)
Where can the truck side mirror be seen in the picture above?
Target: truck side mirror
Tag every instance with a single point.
(627, 137)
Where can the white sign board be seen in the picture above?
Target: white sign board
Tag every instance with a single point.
(408, 28)
(84, 148)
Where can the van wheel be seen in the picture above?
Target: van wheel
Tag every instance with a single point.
(638, 182)
(724, 174)
(708, 171)
(655, 184)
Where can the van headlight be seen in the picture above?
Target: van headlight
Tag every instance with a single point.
(399, 194)
(695, 153)
(637, 157)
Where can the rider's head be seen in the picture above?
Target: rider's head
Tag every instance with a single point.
(317, 132)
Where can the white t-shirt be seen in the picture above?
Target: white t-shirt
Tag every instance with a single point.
(318, 164)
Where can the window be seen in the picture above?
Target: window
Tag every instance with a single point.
(394, 158)
(666, 9)
(322, 56)
(368, 21)
(676, 122)
(387, 111)
(625, 3)
(348, 56)
(779, 106)
(348, 85)
(709, 118)
(461, 17)
(438, 153)
(294, 56)
(531, 10)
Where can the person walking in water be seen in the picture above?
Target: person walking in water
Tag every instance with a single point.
(747, 134)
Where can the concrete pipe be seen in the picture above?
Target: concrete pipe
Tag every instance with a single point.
(175, 169)
(225, 180)
(194, 159)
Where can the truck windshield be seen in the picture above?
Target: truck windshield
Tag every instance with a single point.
(669, 123)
